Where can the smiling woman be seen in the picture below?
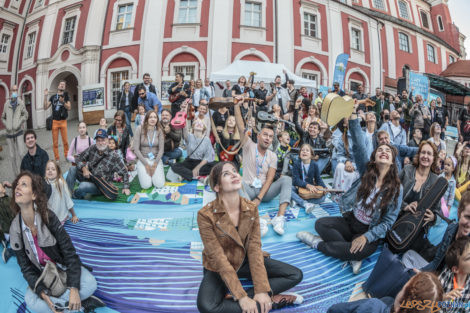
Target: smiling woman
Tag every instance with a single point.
(230, 231)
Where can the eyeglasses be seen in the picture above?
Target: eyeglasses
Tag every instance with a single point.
(118, 120)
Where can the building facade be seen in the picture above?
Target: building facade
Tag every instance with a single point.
(87, 42)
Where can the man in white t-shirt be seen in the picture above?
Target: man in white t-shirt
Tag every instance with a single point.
(394, 129)
(259, 168)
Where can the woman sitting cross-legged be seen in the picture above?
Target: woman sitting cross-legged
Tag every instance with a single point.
(230, 231)
(149, 147)
(200, 152)
(38, 238)
(305, 174)
(370, 206)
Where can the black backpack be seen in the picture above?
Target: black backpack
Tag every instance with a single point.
(406, 229)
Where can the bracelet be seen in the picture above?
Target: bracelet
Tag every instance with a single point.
(258, 198)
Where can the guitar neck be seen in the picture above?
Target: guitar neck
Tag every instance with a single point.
(330, 190)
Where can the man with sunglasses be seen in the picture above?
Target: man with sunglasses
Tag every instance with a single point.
(149, 100)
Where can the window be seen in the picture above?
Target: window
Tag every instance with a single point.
(439, 22)
(356, 38)
(431, 54)
(253, 14)
(30, 46)
(310, 76)
(69, 29)
(379, 4)
(4, 43)
(187, 70)
(403, 8)
(424, 19)
(310, 25)
(124, 17)
(116, 78)
(451, 59)
(187, 11)
(404, 42)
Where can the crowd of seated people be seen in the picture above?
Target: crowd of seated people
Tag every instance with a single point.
(384, 158)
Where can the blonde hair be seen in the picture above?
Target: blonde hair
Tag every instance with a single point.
(59, 181)
(225, 133)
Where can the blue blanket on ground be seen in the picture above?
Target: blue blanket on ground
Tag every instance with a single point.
(147, 258)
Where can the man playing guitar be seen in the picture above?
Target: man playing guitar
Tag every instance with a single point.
(178, 92)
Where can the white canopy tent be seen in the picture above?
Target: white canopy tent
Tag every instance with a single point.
(264, 72)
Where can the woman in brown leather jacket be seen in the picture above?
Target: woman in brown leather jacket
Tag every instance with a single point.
(230, 231)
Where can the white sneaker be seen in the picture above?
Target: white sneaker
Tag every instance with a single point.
(309, 208)
(293, 204)
(263, 226)
(356, 266)
(279, 224)
(309, 239)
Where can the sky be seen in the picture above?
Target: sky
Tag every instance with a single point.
(459, 10)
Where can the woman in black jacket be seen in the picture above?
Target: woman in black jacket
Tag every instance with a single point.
(121, 131)
(126, 103)
(38, 238)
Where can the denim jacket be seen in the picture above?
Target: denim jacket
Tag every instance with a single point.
(378, 226)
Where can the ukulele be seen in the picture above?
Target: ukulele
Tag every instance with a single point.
(224, 156)
(179, 121)
(306, 194)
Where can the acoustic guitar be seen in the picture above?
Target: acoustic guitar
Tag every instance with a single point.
(228, 157)
(216, 103)
(335, 108)
(265, 117)
(306, 194)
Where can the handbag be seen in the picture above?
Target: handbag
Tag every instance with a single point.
(408, 227)
(54, 279)
(49, 123)
(427, 122)
(388, 276)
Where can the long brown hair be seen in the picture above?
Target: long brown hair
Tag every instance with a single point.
(122, 115)
(235, 134)
(390, 187)
(37, 185)
(423, 286)
(216, 174)
(435, 167)
(145, 125)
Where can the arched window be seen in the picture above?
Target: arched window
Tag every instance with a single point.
(403, 8)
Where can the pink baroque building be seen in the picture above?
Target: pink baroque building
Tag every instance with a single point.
(95, 41)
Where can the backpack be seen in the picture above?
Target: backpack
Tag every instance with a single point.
(75, 144)
(408, 227)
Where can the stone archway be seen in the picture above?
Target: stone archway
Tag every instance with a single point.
(72, 88)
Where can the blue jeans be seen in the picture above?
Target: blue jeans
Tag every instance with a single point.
(171, 155)
(71, 178)
(128, 112)
(87, 288)
(322, 163)
(83, 189)
(301, 202)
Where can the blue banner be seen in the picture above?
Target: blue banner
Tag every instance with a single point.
(323, 90)
(340, 69)
(419, 85)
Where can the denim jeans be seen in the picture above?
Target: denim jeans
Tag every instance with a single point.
(83, 189)
(128, 112)
(301, 202)
(71, 178)
(281, 187)
(322, 163)
(212, 291)
(87, 288)
(171, 155)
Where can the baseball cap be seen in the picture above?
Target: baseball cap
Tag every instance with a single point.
(101, 133)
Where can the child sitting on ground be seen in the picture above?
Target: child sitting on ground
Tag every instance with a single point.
(282, 151)
(305, 174)
(60, 201)
(113, 146)
(454, 277)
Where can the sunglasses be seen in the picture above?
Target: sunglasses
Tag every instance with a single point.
(141, 93)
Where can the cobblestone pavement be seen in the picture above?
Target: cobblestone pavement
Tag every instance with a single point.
(45, 142)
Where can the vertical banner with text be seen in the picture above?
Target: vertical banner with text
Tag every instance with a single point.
(419, 85)
(340, 69)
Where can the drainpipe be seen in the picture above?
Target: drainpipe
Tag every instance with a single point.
(20, 41)
(276, 48)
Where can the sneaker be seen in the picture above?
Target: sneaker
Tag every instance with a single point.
(91, 303)
(309, 208)
(293, 204)
(263, 226)
(356, 266)
(309, 239)
(279, 223)
(284, 299)
(7, 253)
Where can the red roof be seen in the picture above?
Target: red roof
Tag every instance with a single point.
(459, 68)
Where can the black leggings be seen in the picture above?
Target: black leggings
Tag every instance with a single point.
(211, 296)
(338, 233)
(185, 168)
